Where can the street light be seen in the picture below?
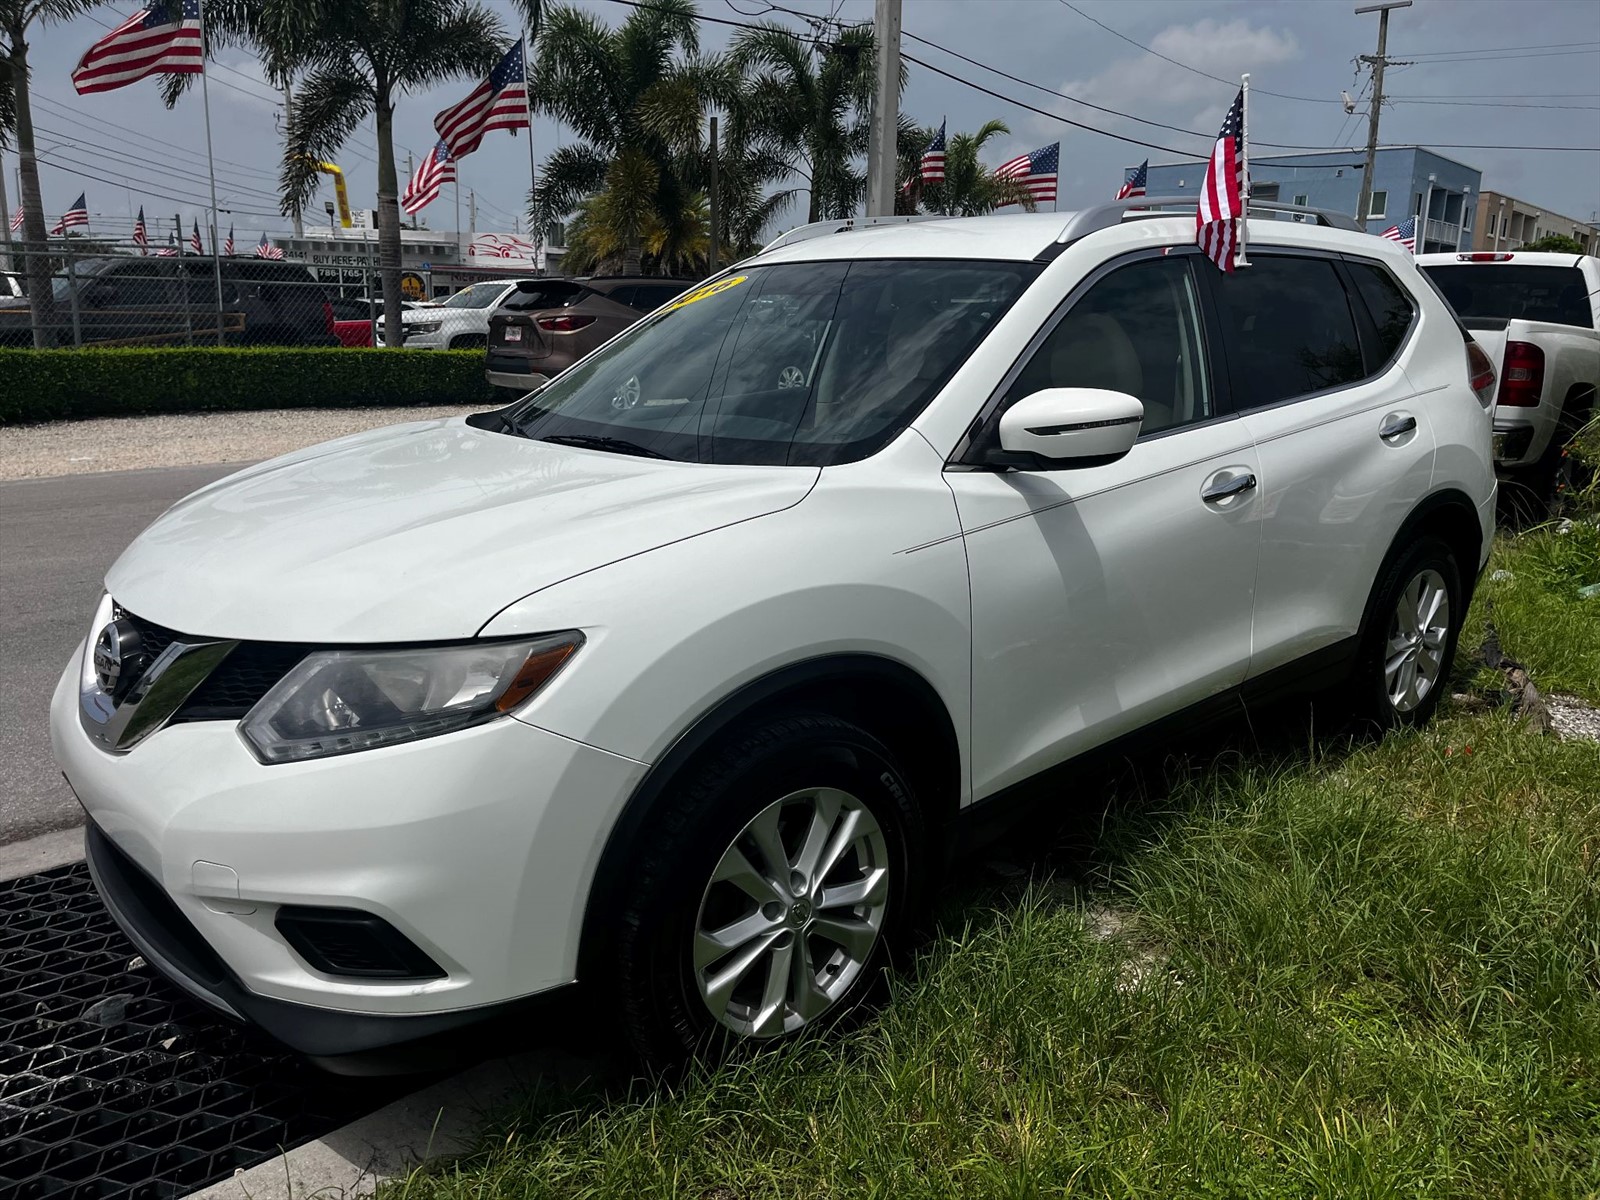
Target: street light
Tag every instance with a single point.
(328, 204)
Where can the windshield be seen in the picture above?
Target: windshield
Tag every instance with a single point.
(1511, 292)
(802, 363)
(479, 295)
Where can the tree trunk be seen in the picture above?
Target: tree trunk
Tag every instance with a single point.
(388, 223)
(633, 256)
(35, 240)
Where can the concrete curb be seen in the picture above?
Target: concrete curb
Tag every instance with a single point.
(440, 1121)
(41, 853)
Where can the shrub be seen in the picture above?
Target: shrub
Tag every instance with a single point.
(53, 385)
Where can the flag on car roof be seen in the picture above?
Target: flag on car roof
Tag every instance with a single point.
(141, 236)
(1035, 171)
(16, 219)
(77, 215)
(227, 246)
(499, 102)
(1405, 233)
(265, 249)
(195, 243)
(170, 250)
(1134, 185)
(1222, 194)
(932, 165)
(163, 39)
(436, 169)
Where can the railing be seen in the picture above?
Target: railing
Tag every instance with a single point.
(1442, 231)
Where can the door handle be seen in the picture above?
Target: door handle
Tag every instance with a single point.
(1236, 486)
(1396, 426)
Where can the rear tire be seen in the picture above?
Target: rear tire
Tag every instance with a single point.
(736, 927)
(1409, 646)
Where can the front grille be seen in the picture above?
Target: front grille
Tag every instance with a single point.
(239, 681)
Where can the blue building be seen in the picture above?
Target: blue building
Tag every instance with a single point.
(1405, 181)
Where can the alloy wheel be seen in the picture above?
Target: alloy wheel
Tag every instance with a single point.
(1418, 631)
(792, 912)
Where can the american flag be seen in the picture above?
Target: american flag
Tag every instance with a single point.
(141, 236)
(195, 243)
(932, 166)
(170, 250)
(227, 246)
(499, 102)
(1134, 185)
(1222, 196)
(1035, 171)
(265, 249)
(436, 170)
(163, 39)
(77, 215)
(1405, 233)
(16, 219)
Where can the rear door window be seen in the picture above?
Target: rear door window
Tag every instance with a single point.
(1389, 305)
(1508, 292)
(1289, 327)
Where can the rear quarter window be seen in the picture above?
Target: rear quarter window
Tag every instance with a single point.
(555, 294)
(1391, 307)
(1509, 292)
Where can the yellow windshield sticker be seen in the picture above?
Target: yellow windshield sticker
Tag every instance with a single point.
(710, 289)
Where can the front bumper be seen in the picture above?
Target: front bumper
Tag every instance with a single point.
(479, 847)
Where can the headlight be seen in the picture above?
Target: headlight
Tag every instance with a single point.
(423, 326)
(340, 701)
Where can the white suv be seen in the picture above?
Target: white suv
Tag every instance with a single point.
(459, 322)
(683, 675)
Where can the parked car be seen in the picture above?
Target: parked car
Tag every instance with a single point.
(459, 322)
(126, 301)
(683, 676)
(545, 325)
(353, 318)
(10, 284)
(1537, 316)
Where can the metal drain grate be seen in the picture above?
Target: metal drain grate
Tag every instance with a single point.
(115, 1084)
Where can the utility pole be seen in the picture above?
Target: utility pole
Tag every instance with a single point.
(881, 156)
(5, 214)
(1364, 205)
(410, 171)
(472, 212)
(711, 254)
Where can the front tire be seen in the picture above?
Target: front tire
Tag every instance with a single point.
(766, 890)
(1409, 645)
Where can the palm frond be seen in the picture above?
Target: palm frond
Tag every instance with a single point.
(329, 104)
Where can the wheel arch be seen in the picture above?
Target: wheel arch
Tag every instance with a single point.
(1448, 514)
(881, 695)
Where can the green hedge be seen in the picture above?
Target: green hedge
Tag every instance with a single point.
(54, 385)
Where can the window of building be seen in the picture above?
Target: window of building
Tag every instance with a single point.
(1378, 206)
(1289, 327)
(1302, 200)
(1264, 191)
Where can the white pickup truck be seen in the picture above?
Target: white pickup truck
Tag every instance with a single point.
(1537, 316)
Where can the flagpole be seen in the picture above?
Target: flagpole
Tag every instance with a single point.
(211, 170)
(533, 167)
(1242, 259)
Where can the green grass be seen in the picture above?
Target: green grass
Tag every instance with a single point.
(1342, 970)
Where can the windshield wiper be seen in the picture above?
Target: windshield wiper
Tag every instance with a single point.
(595, 442)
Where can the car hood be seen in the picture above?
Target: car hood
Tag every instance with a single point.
(418, 532)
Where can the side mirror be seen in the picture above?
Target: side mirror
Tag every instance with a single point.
(1069, 427)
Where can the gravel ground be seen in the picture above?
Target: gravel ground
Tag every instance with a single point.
(1573, 718)
(187, 439)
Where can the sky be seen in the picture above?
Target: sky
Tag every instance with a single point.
(1504, 73)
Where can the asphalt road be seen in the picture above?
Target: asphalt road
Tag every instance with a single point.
(57, 537)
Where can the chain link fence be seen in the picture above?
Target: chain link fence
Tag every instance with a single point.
(96, 292)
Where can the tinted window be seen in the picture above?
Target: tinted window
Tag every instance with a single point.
(1390, 306)
(1509, 292)
(558, 293)
(479, 295)
(648, 297)
(348, 309)
(1289, 327)
(135, 283)
(1137, 331)
(802, 363)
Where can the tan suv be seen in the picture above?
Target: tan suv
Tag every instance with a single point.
(546, 325)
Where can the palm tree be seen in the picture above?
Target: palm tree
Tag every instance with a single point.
(621, 90)
(17, 17)
(809, 102)
(350, 60)
(969, 188)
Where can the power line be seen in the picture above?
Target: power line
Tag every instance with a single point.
(1498, 104)
(1440, 62)
(1186, 66)
(118, 158)
(144, 189)
(64, 113)
(1498, 49)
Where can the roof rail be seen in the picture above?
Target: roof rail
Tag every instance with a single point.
(804, 233)
(1104, 216)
